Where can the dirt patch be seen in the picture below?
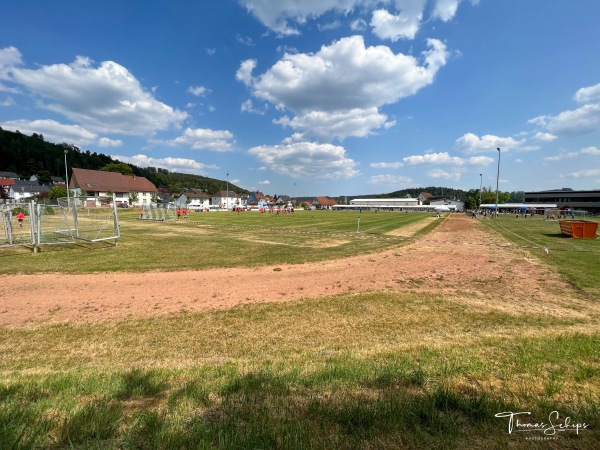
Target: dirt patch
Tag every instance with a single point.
(460, 259)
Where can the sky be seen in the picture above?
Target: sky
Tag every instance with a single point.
(315, 97)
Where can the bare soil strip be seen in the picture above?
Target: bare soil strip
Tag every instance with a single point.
(486, 277)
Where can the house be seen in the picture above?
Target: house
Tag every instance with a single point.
(9, 175)
(20, 190)
(255, 198)
(194, 199)
(323, 202)
(423, 196)
(283, 200)
(225, 199)
(101, 185)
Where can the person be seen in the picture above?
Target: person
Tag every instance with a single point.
(141, 213)
(20, 218)
(178, 213)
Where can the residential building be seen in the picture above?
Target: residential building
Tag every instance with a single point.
(101, 185)
(323, 202)
(226, 199)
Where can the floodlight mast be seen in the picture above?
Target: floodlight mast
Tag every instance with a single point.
(497, 181)
(480, 186)
(67, 180)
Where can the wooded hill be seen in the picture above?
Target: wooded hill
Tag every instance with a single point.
(31, 155)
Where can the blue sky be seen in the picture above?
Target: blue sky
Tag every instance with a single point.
(315, 97)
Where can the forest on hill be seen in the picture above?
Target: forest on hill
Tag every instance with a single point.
(32, 155)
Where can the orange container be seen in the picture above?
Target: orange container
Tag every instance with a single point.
(579, 228)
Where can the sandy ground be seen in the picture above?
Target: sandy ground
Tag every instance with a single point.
(461, 260)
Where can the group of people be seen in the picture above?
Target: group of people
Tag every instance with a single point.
(180, 211)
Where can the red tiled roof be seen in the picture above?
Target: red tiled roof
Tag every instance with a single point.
(100, 181)
(6, 182)
(326, 201)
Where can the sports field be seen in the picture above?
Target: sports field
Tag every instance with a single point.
(311, 330)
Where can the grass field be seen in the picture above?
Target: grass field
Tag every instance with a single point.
(365, 370)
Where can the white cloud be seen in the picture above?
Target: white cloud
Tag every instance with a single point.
(590, 151)
(198, 91)
(308, 160)
(264, 182)
(582, 120)
(588, 94)
(105, 99)
(390, 180)
(280, 15)
(471, 143)
(585, 173)
(336, 124)
(57, 132)
(10, 57)
(181, 165)
(440, 174)
(8, 102)
(402, 19)
(445, 10)
(544, 137)
(386, 165)
(435, 158)
(202, 139)
(343, 84)
(244, 73)
(247, 106)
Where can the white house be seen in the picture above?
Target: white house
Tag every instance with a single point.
(101, 185)
(221, 199)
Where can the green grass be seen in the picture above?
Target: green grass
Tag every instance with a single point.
(577, 259)
(209, 240)
(372, 370)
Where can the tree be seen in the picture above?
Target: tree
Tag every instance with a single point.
(123, 168)
(57, 192)
(133, 198)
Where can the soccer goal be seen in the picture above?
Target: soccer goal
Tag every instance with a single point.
(569, 214)
(89, 219)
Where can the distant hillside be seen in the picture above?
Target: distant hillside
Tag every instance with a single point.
(414, 192)
(31, 155)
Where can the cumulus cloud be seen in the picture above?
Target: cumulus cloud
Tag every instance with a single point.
(585, 173)
(57, 132)
(471, 143)
(402, 19)
(10, 57)
(337, 124)
(544, 137)
(103, 99)
(198, 91)
(181, 165)
(202, 139)
(443, 158)
(588, 94)
(582, 120)
(387, 165)
(248, 107)
(343, 85)
(307, 160)
(403, 25)
(591, 151)
(563, 155)
(264, 183)
(282, 16)
(391, 180)
(440, 174)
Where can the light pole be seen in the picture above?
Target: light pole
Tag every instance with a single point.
(497, 181)
(227, 200)
(480, 186)
(294, 194)
(67, 180)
